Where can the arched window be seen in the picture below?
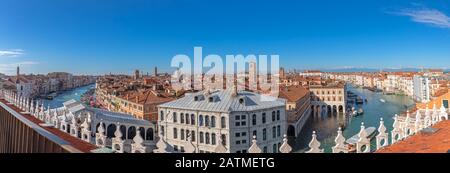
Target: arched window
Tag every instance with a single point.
(200, 120)
(182, 118)
(187, 119)
(162, 130)
(201, 138)
(274, 132)
(193, 136)
(265, 149)
(161, 115)
(174, 117)
(192, 119)
(278, 131)
(187, 135)
(223, 123)
(206, 120)
(278, 114)
(273, 115)
(213, 121)
(207, 139)
(264, 118)
(264, 134)
(175, 133)
(213, 138)
(254, 119)
(274, 148)
(149, 134)
(182, 134)
(224, 139)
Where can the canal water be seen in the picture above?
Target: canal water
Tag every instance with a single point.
(326, 126)
(68, 95)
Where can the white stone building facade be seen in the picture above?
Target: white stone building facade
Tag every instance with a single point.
(213, 119)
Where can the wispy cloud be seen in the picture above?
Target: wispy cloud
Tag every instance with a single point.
(422, 14)
(11, 53)
(11, 67)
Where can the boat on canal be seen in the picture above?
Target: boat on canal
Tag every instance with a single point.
(360, 111)
(382, 100)
(359, 100)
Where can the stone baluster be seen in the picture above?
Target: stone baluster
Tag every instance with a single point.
(363, 144)
(220, 147)
(418, 122)
(55, 121)
(442, 113)
(100, 137)
(74, 127)
(254, 148)
(138, 145)
(85, 131)
(285, 147)
(340, 146)
(396, 134)
(435, 115)
(314, 145)
(117, 141)
(382, 137)
(407, 127)
(162, 146)
(188, 146)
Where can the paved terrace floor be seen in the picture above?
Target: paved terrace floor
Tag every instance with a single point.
(77, 143)
(437, 142)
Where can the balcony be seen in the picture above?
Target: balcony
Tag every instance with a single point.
(22, 133)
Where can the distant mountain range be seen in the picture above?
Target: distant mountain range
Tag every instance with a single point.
(374, 70)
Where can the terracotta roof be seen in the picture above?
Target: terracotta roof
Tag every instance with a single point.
(293, 93)
(437, 142)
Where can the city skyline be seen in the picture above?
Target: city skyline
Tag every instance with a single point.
(99, 37)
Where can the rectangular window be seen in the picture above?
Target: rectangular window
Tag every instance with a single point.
(238, 142)
(238, 124)
(237, 135)
(244, 134)
(237, 117)
(445, 102)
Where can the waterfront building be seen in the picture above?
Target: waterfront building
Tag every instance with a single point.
(441, 99)
(406, 84)
(421, 87)
(223, 118)
(298, 107)
(329, 98)
(22, 83)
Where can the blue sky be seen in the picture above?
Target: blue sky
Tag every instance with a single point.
(102, 36)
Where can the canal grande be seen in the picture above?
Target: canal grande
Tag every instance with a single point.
(76, 94)
(326, 126)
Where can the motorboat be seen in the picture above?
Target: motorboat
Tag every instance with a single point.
(360, 111)
(382, 100)
(359, 100)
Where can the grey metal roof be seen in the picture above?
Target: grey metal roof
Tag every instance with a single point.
(105, 115)
(224, 101)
